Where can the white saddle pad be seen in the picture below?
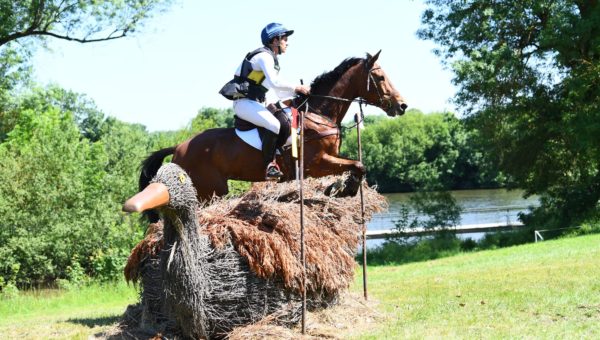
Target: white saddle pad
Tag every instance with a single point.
(251, 138)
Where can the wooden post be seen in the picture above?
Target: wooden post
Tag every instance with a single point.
(302, 240)
(362, 207)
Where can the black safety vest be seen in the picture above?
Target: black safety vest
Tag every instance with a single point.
(249, 83)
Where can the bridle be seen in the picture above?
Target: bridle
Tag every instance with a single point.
(382, 100)
(383, 103)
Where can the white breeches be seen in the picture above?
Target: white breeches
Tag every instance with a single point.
(256, 113)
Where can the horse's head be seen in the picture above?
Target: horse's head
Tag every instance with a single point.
(379, 90)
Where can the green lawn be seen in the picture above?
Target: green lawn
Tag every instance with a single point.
(56, 314)
(545, 290)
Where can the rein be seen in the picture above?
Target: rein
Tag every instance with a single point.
(360, 102)
(370, 79)
(333, 124)
(382, 103)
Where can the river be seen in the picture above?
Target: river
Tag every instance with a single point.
(479, 206)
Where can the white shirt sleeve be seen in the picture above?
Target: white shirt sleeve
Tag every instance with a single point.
(264, 62)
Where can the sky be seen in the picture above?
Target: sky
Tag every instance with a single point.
(178, 61)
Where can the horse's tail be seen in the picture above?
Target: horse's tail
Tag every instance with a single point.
(149, 168)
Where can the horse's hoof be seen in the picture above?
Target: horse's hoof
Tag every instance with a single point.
(344, 188)
(351, 186)
(334, 189)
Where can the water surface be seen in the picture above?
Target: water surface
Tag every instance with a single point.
(479, 206)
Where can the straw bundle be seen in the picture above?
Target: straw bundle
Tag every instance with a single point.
(236, 261)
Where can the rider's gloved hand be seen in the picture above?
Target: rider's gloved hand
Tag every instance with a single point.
(302, 89)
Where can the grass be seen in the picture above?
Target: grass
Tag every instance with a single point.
(544, 290)
(60, 314)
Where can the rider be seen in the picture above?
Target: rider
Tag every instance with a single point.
(257, 74)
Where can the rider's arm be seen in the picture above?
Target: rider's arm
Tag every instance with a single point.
(272, 80)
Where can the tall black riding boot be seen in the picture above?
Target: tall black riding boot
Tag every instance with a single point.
(269, 144)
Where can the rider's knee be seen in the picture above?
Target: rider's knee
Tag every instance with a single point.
(274, 126)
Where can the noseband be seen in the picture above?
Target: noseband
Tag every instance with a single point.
(382, 100)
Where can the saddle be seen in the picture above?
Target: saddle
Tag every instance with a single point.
(284, 130)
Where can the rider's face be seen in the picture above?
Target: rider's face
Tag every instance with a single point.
(281, 44)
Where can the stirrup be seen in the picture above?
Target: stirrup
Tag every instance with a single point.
(273, 173)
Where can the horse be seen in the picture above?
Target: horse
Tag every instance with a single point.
(216, 155)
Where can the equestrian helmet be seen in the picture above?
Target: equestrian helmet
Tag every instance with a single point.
(273, 30)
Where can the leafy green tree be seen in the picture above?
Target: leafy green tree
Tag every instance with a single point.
(208, 118)
(126, 145)
(14, 73)
(527, 75)
(62, 189)
(51, 197)
(421, 152)
(85, 112)
(81, 21)
(22, 23)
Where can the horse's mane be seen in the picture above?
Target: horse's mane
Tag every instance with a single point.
(328, 79)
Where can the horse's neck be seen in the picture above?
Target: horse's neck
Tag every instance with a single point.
(335, 109)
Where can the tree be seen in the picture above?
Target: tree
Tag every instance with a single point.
(208, 118)
(75, 20)
(421, 152)
(527, 74)
(65, 173)
(51, 198)
(85, 112)
(14, 72)
(126, 145)
(24, 22)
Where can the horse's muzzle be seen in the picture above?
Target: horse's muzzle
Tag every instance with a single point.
(398, 109)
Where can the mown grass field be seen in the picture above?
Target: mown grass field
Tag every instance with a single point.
(55, 314)
(545, 290)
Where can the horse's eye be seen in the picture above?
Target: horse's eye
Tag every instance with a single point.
(379, 78)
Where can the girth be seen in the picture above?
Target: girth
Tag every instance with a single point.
(323, 134)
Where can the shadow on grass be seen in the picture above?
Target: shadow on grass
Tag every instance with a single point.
(99, 321)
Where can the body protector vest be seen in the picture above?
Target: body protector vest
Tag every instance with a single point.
(249, 83)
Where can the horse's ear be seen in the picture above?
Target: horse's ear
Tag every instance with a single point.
(372, 59)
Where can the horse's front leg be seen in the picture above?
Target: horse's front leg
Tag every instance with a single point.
(332, 165)
(208, 183)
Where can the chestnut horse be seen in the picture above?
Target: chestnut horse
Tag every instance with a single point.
(217, 155)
